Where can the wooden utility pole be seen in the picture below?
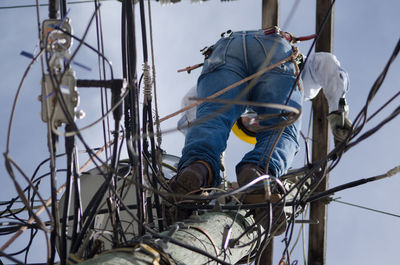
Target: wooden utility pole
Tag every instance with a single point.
(269, 17)
(320, 148)
(270, 13)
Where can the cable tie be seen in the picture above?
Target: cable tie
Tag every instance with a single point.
(27, 54)
(49, 95)
(82, 66)
(67, 61)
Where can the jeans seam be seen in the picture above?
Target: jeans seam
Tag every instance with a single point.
(245, 52)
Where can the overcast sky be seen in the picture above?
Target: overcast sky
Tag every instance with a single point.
(365, 34)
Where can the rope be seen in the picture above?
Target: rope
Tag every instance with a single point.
(293, 56)
(297, 73)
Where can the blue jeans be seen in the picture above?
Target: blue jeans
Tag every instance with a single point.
(232, 59)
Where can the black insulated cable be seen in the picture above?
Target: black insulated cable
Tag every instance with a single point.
(69, 150)
(132, 124)
(53, 9)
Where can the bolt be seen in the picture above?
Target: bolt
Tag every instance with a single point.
(74, 99)
(80, 114)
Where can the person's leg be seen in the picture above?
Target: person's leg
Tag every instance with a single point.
(274, 86)
(286, 143)
(206, 139)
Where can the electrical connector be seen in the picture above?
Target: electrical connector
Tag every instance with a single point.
(51, 108)
(56, 34)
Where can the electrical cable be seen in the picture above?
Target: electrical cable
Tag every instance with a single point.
(12, 212)
(69, 149)
(290, 229)
(77, 201)
(366, 208)
(16, 100)
(267, 232)
(81, 42)
(33, 180)
(301, 232)
(128, 60)
(78, 131)
(90, 211)
(300, 183)
(383, 106)
(31, 220)
(34, 216)
(353, 184)
(9, 163)
(73, 124)
(287, 241)
(32, 236)
(33, 232)
(158, 128)
(388, 119)
(3, 254)
(54, 234)
(12, 201)
(301, 197)
(132, 123)
(363, 113)
(53, 9)
(114, 164)
(148, 115)
(37, 5)
(102, 75)
(361, 118)
(370, 132)
(52, 142)
(63, 8)
(252, 78)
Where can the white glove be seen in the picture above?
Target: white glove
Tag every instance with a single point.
(340, 126)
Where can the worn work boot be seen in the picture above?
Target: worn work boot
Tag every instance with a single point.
(189, 180)
(193, 177)
(273, 192)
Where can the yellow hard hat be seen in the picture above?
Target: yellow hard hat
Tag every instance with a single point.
(244, 134)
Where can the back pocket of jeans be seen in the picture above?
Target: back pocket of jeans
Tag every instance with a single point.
(217, 57)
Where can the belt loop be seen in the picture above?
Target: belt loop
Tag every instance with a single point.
(271, 30)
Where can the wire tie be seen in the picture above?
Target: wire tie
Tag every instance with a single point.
(49, 95)
(67, 61)
(27, 54)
